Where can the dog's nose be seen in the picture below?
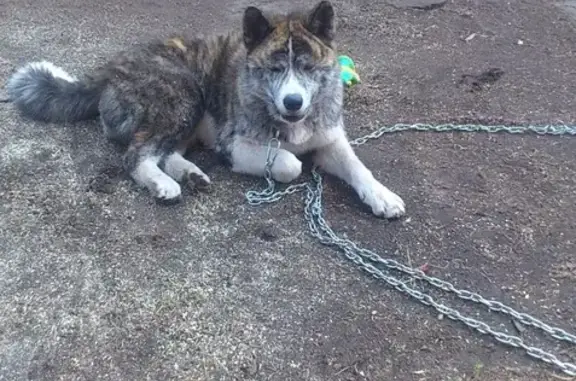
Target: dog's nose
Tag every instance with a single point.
(293, 102)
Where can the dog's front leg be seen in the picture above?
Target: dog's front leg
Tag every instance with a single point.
(250, 158)
(339, 159)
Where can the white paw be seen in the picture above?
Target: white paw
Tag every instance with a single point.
(286, 167)
(166, 189)
(383, 201)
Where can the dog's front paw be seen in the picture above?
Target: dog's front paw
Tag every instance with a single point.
(166, 190)
(383, 201)
(286, 167)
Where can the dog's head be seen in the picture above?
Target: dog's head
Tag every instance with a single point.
(291, 59)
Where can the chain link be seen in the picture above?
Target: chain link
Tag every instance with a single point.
(368, 260)
(269, 194)
(540, 130)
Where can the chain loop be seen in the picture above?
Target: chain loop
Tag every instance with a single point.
(369, 261)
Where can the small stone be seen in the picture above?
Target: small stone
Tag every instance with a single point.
(269, 233)
(250, 367)
(519, 327)
(425, 5)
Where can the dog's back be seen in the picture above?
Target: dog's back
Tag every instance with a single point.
(278, 77)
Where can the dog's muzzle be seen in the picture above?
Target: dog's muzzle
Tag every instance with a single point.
(293, 108)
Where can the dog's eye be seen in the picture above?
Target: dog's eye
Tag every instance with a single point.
(276, 69)
(308, 67)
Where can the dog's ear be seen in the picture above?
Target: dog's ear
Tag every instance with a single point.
(322, 23)
(255, 27)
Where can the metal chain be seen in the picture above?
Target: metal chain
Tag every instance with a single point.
(269, 194)
(367, 260)
(540, 130)
(362, 257)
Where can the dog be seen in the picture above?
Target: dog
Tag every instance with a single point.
(278, 77)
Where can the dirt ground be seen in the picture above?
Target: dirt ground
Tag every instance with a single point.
(97, 282)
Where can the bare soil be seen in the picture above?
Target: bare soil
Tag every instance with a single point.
(97, 282)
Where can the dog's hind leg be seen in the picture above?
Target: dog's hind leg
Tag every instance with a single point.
(141, 162)
(119, 120)
(154, 158)
(182, 170)
(159, 166)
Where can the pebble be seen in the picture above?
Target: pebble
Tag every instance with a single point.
(269, 233)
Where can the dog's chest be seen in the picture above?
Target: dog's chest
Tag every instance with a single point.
(310, 141)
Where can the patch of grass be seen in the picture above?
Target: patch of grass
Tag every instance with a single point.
(478, 368)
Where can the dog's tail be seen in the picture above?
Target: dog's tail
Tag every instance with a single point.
(45, 92)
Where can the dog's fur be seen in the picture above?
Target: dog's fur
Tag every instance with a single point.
(278, 78)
